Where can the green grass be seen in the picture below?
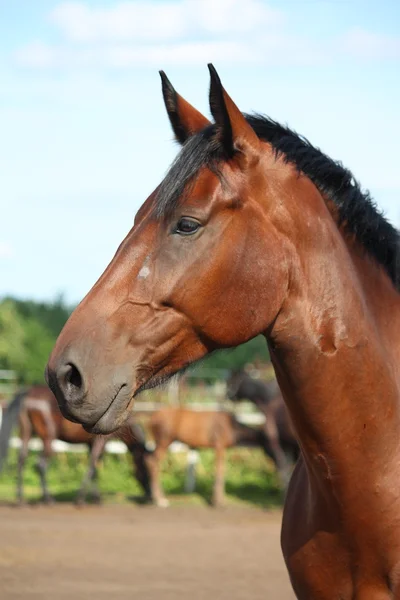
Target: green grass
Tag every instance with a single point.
(250, 480)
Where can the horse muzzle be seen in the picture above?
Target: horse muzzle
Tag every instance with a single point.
(100, 403)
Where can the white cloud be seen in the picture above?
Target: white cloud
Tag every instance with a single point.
(38, 55)
(151, 33)
(367, 44)
(178, 54)
(121, 56)
(155, 21)
(131, 20)
(6, 251)
(190, 32)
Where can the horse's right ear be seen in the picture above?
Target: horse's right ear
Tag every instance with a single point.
(237, 137)
(185, 119)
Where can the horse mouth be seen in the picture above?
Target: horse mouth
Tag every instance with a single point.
(114, 415)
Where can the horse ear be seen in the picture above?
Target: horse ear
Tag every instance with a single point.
(235, 133)
(185, 119)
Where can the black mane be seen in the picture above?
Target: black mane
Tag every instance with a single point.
(356, 210)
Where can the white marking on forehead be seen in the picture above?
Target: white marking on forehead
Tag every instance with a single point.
(143, 273)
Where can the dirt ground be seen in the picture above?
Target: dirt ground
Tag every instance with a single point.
(130, 552)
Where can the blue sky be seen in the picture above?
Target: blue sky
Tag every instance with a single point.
(84, 135)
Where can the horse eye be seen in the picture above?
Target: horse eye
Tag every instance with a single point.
(186, 226)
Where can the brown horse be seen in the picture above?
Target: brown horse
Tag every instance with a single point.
(253, 230)
(37, 411)
(278, 427)
(206, 429)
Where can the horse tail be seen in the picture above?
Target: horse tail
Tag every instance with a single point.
(10, 417)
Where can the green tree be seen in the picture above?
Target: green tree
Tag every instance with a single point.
(38, 344)
(28, 331)
(238, 357)
(52, 315)
(12, 338)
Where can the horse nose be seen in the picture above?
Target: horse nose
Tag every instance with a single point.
(67, 383)
(71, 383)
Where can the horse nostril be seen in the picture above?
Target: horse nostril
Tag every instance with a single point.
(72, 377)
(70, 382)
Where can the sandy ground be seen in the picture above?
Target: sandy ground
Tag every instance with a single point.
(130, 552)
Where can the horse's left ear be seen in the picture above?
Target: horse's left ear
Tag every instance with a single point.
(236, 135)
(185, 119)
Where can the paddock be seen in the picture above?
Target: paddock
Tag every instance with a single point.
(132, 552)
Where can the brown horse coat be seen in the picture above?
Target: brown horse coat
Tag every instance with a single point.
(253, 230)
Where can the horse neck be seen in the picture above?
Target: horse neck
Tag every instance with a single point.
(335, 349)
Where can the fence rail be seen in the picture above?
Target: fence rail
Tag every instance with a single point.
(117, 447)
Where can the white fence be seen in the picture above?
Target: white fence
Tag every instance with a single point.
(117, 447)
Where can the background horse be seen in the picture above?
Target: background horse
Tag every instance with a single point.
(205, 429)
(278, 428)
(253, 230)
(37, 412)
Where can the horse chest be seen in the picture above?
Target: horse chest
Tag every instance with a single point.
(324, 570)
(328, 561)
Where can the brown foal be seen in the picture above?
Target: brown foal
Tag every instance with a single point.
(206, 429)
(253, 230)
(37, 413)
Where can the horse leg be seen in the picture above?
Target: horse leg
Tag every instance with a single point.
(154, 461)
(219, 484)
(96, 454)
(95, 451)
(139, 457)
(25, 434)
(95, 486)
(22, 455)
(279, 456)
(42, 468)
